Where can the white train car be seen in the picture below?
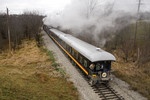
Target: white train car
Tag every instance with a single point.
(93, 61)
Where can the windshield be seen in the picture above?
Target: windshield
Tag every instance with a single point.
(98, 66)
(103, 66)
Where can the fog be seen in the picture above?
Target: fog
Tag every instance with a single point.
(85, 17)
(82, 17)
(41, 6)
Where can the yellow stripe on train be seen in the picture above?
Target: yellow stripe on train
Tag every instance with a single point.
(70, 56)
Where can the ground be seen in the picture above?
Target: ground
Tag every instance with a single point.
(137, 76)
(31, 73)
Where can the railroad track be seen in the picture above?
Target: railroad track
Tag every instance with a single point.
(104, 91)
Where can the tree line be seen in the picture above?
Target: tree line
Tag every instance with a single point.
(24, 26)
(123, 41)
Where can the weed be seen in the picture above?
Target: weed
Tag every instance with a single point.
(74, 88)
(54, 63)
(137, 77)
(34, 78)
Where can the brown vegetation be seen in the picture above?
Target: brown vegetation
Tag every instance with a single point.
(133, 61)
(124, 41)
(29, 74)
(137, 77)
(22, 26)
(28, 53)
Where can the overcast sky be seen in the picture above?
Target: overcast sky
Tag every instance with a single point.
(43, 6)
(48, 6)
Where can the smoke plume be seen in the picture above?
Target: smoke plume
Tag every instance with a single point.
(91, 20)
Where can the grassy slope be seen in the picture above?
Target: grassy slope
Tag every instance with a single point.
(31, 74)
(137, 76)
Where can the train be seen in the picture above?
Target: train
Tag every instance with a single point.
(94, 62)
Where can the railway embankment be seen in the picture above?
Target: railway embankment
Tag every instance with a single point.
(31, 73)
(137, 76)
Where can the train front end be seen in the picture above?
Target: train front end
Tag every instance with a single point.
(100, 72)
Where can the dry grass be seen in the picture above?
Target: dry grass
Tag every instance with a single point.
(29, 53)
(29, 74)
(137, 76)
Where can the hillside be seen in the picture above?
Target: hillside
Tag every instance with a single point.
(133, 61)
(31, 73)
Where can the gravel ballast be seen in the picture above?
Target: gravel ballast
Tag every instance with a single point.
(85, 90)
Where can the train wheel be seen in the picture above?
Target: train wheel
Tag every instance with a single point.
(107, 82)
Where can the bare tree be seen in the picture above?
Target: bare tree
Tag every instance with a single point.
(94, 6)
(109, 8)
(21, 26)
(91, 6)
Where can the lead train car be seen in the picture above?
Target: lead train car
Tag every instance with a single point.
(93, 61)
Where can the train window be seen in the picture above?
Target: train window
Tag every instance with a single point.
(98, 66)
(62, 43)
(66, 47)
(85, 63)
(72, 52)
(77, 55)
(81, 59)
(69, 49)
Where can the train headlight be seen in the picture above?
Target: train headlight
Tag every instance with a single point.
(94, 75)
(92, 66)
(104, 74)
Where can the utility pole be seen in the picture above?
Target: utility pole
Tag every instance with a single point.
(139, 6)
(8, 29)
(136, 25)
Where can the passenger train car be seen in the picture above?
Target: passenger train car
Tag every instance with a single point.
(93, 61)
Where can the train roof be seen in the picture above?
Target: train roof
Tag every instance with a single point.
(89, 51)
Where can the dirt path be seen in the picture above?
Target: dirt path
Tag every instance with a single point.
(85, 91)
